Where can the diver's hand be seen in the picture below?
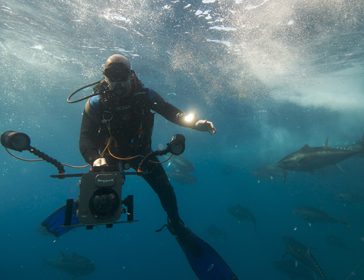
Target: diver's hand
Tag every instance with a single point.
(205, 125)
(100, 162)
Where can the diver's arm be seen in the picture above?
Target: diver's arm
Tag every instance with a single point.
(88, 142)
(175, 115)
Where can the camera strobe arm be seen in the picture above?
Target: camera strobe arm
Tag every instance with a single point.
(176, 147)
(19, 141)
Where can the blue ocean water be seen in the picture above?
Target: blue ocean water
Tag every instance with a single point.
(273, 75)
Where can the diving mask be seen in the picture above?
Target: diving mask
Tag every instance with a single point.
(120, 87)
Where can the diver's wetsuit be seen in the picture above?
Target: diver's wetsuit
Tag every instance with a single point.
(129, 121)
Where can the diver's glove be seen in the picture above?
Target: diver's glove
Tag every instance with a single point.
(205, 125)
(99, 164)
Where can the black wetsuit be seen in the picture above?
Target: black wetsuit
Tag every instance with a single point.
(129, 121)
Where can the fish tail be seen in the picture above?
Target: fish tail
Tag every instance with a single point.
(317, 268)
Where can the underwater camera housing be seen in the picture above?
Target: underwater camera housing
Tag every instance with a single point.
(100, 200)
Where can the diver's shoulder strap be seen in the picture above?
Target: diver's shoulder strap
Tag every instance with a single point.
(92, 108)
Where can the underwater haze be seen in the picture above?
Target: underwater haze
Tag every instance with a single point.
(272, 75)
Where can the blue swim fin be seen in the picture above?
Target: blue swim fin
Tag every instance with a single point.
(204, 260)
(54, 223)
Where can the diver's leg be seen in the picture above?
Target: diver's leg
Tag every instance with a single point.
(158, 180)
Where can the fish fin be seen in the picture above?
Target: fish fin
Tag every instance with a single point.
(305, 147)
(340, 168)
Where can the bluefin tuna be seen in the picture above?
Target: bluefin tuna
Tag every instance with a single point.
(303, 254)
(314, 215)
(310, 159)
(73, 264)
(241, 213)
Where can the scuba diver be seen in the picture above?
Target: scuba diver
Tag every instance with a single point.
(117, 127)
(115, 135)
